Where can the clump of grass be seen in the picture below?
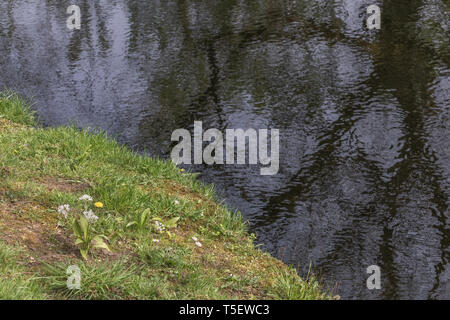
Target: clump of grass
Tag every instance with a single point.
(290, 287)
(15, 281)
(163, 257)
(13, 108)
(99, 281)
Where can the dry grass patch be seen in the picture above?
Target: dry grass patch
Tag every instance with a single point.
(64, 185)
(33, 227)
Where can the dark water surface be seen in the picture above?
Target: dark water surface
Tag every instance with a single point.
(364, 116)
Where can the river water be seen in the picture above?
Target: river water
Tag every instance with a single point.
(364, 115)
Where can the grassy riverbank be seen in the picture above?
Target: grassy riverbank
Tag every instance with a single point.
(202, 252)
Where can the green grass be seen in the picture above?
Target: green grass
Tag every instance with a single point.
(15, 109)
(100, 281)
(41, 169)
(15, 281)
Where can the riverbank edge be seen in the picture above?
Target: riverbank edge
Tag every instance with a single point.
(207, 253)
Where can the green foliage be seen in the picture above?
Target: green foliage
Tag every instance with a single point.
(172, 223)
(164, 226)
(290, 287)
(102, 281)
(141, 220)
(13, 108)
(168, 257)
(46, 168)
(85, 237)
(15, 281)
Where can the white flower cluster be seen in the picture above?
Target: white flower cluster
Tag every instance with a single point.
(197, 243)
(156, 240)
(90, 216)
(64, 210)
(85, 197)
(159, 226)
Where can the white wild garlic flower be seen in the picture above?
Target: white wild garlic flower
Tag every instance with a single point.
(64, 210)
(197, 242)
(90, 216)
(159, 226)
(85, 197)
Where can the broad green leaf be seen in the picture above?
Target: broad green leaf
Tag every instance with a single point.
(77, 229)
(170, 234)
(99, 243)
(144, 216)
(131, 224)
(84, 224)
(172, 222)
(84, 253)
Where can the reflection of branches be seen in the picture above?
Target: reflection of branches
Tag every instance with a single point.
(412, 91)
(393, 70)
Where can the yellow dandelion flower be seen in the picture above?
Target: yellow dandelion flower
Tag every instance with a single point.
(98, 204)
(182, 170)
